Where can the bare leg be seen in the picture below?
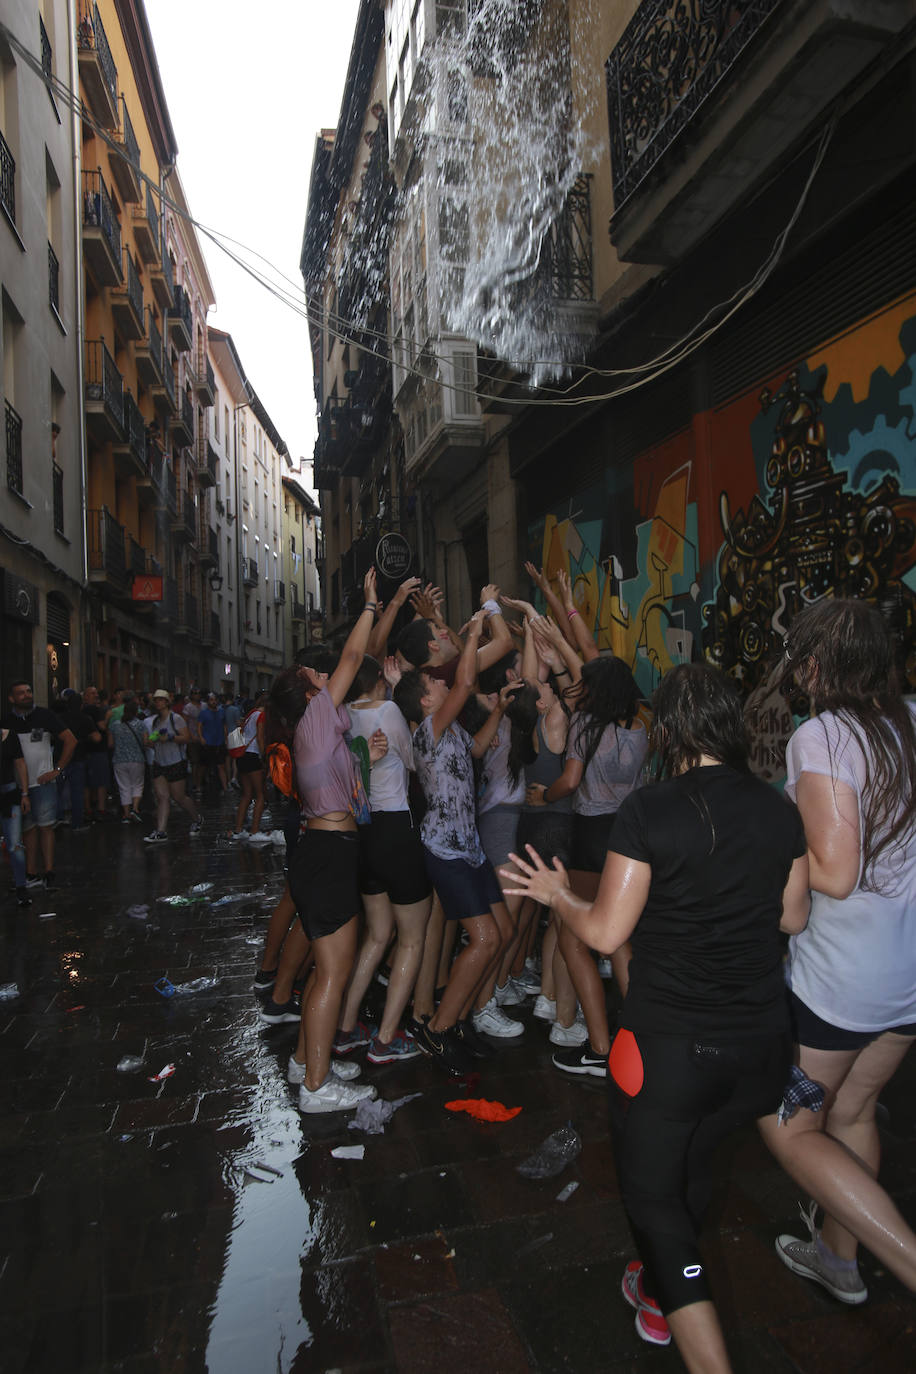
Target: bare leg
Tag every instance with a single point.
(583, 970)
(30, 840)
(161, 790)
(257, 782)
(524, 929)
(565, 992)
(449, 936)
(405, 963)
(280, 921)
(472, 966)
(549, 945)
(244, 802)
(46, 840)
(698, 1335)
(379, 925)
(321, 1001)
(295, 950)
(424, 993)
(180, 793)
(505, 930)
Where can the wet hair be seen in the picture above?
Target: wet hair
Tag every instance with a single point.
(366, 679)
(285, 706)
(408, 696)
(493, 679)
(849, 655)
(522, 715)
(607, 697)
(414, 641)
(697, 710)
(319, 658)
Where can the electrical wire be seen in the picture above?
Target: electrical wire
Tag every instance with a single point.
(313, 311)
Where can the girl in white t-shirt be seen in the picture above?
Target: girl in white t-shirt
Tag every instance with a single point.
(852, 972)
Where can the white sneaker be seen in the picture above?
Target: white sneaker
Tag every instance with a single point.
(343, 1069)
(334, 1096)
(576, 1034)
(278, 838)
(259, 837)
(239, 835)
(605, 967)
(490, 1020)
(545, 1009)
(527, 983)
(509, 995)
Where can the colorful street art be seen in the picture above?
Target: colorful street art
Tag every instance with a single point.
(709, 543)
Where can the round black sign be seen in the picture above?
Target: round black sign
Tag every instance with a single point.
(393, 556)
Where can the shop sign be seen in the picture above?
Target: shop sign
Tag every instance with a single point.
(146, 587)
(393, 556)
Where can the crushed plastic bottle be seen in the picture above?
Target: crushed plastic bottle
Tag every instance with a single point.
(552, 1157)
(196, 985)
(8, 991)
(566, 1193)
(200, 888)
(138, 912)
(130, 1063)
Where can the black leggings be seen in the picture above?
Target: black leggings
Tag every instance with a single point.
(673, 1099)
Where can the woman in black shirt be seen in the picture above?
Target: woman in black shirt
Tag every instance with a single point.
(704, 870)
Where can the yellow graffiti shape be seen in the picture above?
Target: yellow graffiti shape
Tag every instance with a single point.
(854, 356)
(664, 559)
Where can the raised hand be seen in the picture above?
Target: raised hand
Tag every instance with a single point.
(489, 593)
(517, 604)
(370, 591)
(534, 878)
(406, 589)
(391, 671)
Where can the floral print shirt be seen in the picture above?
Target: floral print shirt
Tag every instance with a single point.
(446, 773)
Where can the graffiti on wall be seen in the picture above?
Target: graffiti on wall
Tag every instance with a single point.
(707, 545)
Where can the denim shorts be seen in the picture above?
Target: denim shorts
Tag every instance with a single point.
(43, 806)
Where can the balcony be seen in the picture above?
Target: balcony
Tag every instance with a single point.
(163, 392)
(151, 484)
(148, 353)
(101, 232)
(207, 461)
(160, 275)
(107, 561)
(279, 592)
(146, 228)
(97, 72)
(249, 572)
(13, 449)
(104, 394)
(180, 321)
(206, 382)
(53, 281)
(126, 302)
(188, 621)
(184, 520)
(207, 544)
(135, 557)
(169, 609)
(130, 453)
(171, 491)
(183, 423)
(125, 165)
(704, 101)
(299, 610)
(7, 180)
(215, 634)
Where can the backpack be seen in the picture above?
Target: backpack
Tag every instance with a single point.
(280, 769)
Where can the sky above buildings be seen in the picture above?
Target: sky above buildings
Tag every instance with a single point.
(248, 88)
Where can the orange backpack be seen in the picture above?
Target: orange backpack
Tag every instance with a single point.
(280, 769)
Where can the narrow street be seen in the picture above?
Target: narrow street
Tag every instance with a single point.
(200, 1223)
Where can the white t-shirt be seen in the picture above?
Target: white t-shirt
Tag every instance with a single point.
(388, 779)
(498, 788)
(854, 964)
(165, 751)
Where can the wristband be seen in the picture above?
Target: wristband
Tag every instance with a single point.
(371, 606)
(492, 608)
(563, 672)
(570, 614)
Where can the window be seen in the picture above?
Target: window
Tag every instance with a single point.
(55, 229)
(9, 132)
(292, 543)
(13, 326)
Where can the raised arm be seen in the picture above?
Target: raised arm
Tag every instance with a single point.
(556, 650)
(354, 651)
(605, 924)
(500, 639)
(584, 641)
(378, 639)
(555, 605)
(465, 678)
(487, 732)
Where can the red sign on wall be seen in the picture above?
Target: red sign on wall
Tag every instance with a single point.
(147, 588)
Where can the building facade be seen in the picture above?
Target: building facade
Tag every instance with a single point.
(301, 539)
(42, 548)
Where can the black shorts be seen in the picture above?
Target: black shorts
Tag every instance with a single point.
(809, 1030)
(249, 763)
(591, 837)
(391, 858)
(172, 772)
(547, 831)
(323, 880)
(212, 753)
(464, 891)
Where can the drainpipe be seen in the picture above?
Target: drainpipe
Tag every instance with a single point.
(86, 622)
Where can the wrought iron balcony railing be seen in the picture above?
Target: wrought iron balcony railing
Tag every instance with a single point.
(7, 179)
(91, 37)
(104, 383)
(53, 279)
(47, 57)
(99, 213)
(106, 547)
(181, 327)
(13, 449)
(57, 497)
(136, 557)
(670, 60)
(135, 432)
(134, 285)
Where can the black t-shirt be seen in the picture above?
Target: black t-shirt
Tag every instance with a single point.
(9, 750)
(97, 715)
(707, 953)
(83, 725)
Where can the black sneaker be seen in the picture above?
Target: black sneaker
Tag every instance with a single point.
(264, 980)
(34, 880)
(445, 1048)
(472, 1042)
(273, 1015)
(22, 897)
(50, 880)
(582, 1059)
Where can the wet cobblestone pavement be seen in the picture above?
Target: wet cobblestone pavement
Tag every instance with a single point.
(133, 1239)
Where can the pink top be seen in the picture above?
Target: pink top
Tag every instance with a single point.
(325, 767)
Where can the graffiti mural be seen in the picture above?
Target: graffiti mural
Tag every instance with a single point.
(708, 544)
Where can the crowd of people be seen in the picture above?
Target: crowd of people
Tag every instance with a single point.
(495, 816)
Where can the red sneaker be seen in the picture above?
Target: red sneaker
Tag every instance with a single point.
(650, 1324)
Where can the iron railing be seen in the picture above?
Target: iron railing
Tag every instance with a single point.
(136, 557)
(7, 179)
(91, 35)
(168, 381)
(13, 449)
(99, 213)
(57, 493)
(46, 54)
(129, 138)
(134, 285)
(671, 58)
(135, 430)
(171, 491)
(299, 609)
(53, 279)
(103, 380)
(279, 592)
(155, 341)
(170, 599)
(250, 572)
(187, 413)
(106, 545)
(181, 309)
(152, 215)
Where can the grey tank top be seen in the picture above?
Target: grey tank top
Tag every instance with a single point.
(545, 769)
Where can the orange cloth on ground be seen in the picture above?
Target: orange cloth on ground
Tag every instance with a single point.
(483, 1110)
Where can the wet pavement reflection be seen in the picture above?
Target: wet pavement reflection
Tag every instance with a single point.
(198, 1223)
